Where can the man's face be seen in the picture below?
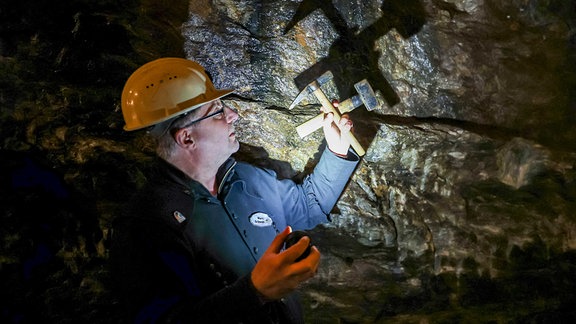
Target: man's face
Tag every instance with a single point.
(214, 135)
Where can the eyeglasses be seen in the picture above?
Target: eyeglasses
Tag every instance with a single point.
(221, 112)
(217, 112)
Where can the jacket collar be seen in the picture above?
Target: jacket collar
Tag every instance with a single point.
(224, 172)
(172, 174)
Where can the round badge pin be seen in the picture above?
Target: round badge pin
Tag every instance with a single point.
(260, 219)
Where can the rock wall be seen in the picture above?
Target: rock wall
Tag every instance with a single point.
(470, 157)
(462, 209)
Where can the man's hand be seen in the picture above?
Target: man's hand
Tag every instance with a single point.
(277, 274)
(333, 133)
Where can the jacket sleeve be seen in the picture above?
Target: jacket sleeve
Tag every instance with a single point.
(237, 303)
(320, 190)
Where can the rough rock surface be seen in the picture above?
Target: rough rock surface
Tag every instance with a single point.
(462, 210)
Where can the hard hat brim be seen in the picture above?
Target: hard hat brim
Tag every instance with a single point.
(217, 94)
(161, 128)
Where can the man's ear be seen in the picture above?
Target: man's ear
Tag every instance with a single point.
(183, 137)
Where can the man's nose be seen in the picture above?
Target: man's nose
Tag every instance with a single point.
(231, 114)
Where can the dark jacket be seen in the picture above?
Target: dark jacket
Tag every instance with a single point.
(180, 254)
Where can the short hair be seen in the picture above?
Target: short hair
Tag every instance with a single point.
(163, 134)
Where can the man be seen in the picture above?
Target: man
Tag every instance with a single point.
(202, 242)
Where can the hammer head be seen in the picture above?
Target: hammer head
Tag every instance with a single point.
(367, 95)
(323, 79)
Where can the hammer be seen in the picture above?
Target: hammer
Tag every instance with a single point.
(365, 95)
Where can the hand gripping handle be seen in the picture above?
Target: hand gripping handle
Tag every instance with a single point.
(330, 108)
(315, 123)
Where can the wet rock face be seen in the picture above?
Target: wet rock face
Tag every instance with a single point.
(467, 190)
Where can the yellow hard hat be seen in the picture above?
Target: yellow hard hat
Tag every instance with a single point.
(163, 89)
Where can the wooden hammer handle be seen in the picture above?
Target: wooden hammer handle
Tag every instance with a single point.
(330, 108)
(309, 126)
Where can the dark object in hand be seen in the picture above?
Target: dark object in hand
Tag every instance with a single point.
(294, 237)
